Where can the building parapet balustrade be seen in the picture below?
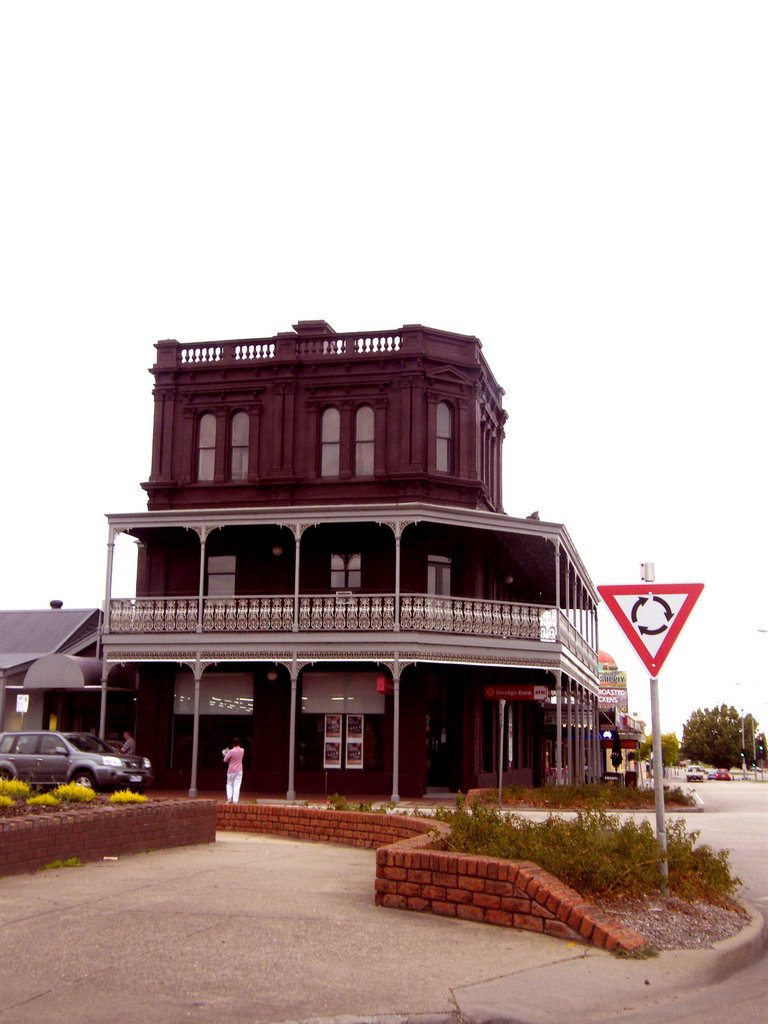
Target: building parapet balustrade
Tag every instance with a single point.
(347, 612)
(266, 349)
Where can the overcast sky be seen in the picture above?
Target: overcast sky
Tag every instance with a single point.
(581, 185)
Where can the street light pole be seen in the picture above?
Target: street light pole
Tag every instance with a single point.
(743, 748)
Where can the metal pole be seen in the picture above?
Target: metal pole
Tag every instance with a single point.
(198, 672)
(658, 786)
(502, 708)
(396, 731)
(291, 793)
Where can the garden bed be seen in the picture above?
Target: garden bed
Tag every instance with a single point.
(33, 838)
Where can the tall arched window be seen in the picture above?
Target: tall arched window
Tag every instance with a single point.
(330, 434)
(238, 453)
(364, 441)
(444, 453)
(206, 447)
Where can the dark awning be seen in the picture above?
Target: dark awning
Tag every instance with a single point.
(69, 672)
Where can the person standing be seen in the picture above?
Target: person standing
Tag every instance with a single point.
(233, 758)
(129, 744)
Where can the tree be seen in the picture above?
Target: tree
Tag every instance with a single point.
(713, 736)
(670, 749)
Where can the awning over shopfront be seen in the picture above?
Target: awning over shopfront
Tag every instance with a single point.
(69, 672)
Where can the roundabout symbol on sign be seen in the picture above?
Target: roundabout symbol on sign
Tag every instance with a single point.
(640, 603)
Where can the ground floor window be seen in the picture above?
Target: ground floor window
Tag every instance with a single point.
(342, 722)
(226, 711)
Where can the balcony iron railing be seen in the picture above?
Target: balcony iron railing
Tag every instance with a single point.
(342, 612)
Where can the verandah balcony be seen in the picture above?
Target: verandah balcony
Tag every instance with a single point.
(347, 613)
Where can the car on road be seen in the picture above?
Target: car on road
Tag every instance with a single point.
(52, 758)
(720, 774)
(695, 773)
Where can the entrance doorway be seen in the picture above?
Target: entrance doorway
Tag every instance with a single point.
(440, 741)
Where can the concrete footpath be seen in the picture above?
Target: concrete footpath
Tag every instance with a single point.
(267, 931)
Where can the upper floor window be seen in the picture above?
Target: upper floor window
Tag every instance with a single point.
(444, 432)
(330, 438)
(364, 441)
(221, 575)
(346, 572)
(238, 455)
(206, 447)
(438, 575)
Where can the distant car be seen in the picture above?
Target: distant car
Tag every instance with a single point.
(695, 773)
(53, 758)
(721, 774)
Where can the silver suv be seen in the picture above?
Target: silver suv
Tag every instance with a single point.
(51, 758)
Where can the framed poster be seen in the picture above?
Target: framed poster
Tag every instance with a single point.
(332, 754)
(332, 742)
(355, 741)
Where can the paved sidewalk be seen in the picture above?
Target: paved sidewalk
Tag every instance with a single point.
(268, 931)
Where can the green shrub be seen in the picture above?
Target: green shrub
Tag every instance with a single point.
(586, 797)
(126, 796)
(70, 862)
(596, 853)
(340, 803)
(74, 794)
(43, 800)
(15, 789)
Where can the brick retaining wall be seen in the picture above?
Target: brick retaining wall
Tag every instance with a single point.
(28, 844)
(415, 871)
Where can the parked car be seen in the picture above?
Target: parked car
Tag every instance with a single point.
(695, 773)
(721, 774)
(52, 758)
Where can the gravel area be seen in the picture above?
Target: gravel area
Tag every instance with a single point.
(672, 923)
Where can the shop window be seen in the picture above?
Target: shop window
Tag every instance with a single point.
(438, 576)
(444, 434)
(226, 711)
(221, 576)
(364, 422)
(238, 455)
(342, 722)
(346, 572)
(206, 447)
(330, 442)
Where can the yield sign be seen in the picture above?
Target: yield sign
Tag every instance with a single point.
(652, 615)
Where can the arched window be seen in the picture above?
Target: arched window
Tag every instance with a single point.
(364, 441)
(206, 447)
(330, 433)
(238, 452)
(444, 453)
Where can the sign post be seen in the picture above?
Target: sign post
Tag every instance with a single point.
(502, 708)
(651, 616)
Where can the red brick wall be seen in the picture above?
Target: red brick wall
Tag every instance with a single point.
(27, 844)
(414, 871)
(349, 828)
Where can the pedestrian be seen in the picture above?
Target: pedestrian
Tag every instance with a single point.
(129, 744)
(233, 759)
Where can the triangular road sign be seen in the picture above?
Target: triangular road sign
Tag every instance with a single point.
(651, 615)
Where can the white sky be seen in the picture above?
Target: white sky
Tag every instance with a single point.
(582, 185)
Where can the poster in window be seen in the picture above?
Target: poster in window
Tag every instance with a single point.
(332, 754)
(332, 726)
(332, 742)
(354, 753)
(355, 741)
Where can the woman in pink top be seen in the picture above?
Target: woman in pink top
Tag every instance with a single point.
(233, 758)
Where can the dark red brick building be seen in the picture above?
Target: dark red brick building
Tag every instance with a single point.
(326, 571)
